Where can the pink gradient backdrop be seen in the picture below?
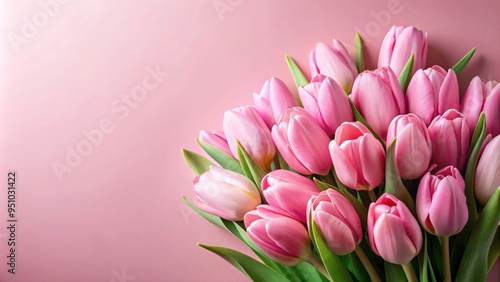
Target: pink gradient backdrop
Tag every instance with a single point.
(119, 210)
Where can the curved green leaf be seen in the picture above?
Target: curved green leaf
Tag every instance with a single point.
(224, 160)
(196, 162)
(405, 75)
(394, 272)
(360, 118)
(460, 66)
(298, 76)
(252, 170)
(252, 268)
(360, 59)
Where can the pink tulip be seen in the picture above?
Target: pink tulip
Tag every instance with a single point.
(393, 231)
(337, 221)
(450, 140)
(441, 203)
(487, 179)
(273, 100)
(280, 237)
(326, 102)
(413, 146)
(379, 98)
(302, 143)
(480, 97)
(398, 45)
(357, 156)
(432, 92)
(224, 193)
(217, 139)
(246, 126)
(335, 62)
(289, 191)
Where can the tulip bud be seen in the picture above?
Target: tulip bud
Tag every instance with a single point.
(379, 98)
(217, 139)
(480, 97)
(487, 179)
(398, 45)
(357, 156)
(273, 100)
(450, 140)
(335, 62)
(393, 231)
(441, 203)
(337, 221)
(280, 237)
(413, 146)
(246, 126)
(432, 92)
(225, 193)
(289, 191)
(326, 102)
(302, 143)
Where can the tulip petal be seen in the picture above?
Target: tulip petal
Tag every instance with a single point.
(336, 233)
(391, 240)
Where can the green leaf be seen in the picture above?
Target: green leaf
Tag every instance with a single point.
(210, 217)
(306, 272)
(283, 163)
(197, 163)
(252, 268)
(223, 159)
(332, 263)
(393, 183)
(394, 272)
(460, 66)
(474, 265)
(360, 118)
(494, 250)
(298, 76)
(405, 75)
(252, 170)
(360, 59)
(355, 266)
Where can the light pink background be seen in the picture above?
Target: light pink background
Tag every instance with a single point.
(119, 210)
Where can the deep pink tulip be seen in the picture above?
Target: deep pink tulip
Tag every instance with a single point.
(450, 140)
(413, 146)
(273, 100)
(357, 156)
(441, 203)
(393, 231)
(279, 236)
(225, 193)
(432, 92)
(480, 97)
(217, 139)
(398, 45)
(326, 102)
(379, 98)
(337, 220)
(246, 126)
(487, 179)
(335, 62)
(302, 143)
(289, 191)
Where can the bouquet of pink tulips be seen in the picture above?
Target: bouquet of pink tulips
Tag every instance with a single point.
(367, 175)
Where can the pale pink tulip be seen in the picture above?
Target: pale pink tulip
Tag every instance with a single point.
(379, 98)
(337, 221)
(225, 193)
(289, 191)
(273, 100)
(217, 139)
(480, 97)
(335, 62)
(441, 203)
(302, 143)
(487, 179)
(325, 100)
(393, 231)
(279, 236)
(357, 156)
(413, 146)
(450, 140)
(432, 92)
(246, 126)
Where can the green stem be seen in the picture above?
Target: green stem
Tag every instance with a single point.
(367, 264)
(318, 264)
(372, 195)
(445, 250)
(409, 272)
